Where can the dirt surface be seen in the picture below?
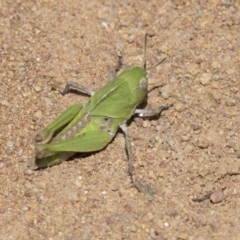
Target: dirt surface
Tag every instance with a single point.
(192, 150)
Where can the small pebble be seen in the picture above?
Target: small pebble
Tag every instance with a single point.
(2, 164)
(166, 224)
(234, 89)
(195, 127)
(166, 91)
(133, 228)
(208, 187)
(153, 234)
(238, 154)
(165, 20)
(217, 196)
(5, 103)
(179, 107)
(115, 188)
(28, 171)
(230, 102)
(202, 142)
(37, 88)
(104, 24)
(151, 33)
(216, 95)
(37, 115)
(185, 138)
(205, 78)
(10, 144)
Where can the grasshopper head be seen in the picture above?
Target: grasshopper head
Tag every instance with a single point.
(136, 78)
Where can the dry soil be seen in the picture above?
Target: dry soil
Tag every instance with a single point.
(189, 152)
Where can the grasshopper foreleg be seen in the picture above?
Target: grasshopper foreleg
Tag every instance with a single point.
(151, 112)
(78, 87)
(129, 149)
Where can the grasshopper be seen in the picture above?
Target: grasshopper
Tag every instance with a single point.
(91, 126)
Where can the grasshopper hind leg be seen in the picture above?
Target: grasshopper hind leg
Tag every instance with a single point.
(129, 149)
(141, 186)
(35, 163)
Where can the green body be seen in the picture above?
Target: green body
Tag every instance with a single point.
(91, 126)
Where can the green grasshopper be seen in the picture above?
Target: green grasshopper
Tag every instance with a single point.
(91, 126)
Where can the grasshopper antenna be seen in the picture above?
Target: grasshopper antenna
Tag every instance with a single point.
(145, 52)
(144, 62)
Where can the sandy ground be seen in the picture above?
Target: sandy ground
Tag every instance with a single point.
(192, 150)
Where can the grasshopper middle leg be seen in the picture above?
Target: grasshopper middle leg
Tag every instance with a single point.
(151, 112)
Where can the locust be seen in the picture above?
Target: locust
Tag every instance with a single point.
(91, 126)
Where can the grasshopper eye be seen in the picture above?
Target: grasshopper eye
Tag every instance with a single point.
(143, 84)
